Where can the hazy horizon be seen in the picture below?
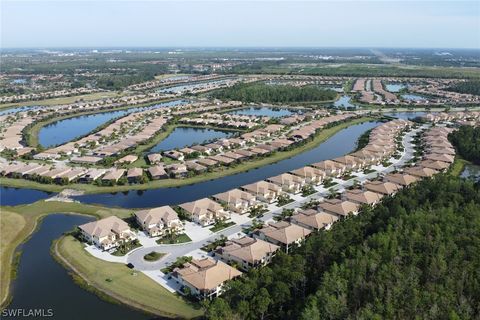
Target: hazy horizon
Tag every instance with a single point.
(240, 24)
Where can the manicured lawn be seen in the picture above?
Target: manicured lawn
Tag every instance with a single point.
(221, 226)
(224, 171)
(181, 238)
(124, 284)
(153, 256)
(13, 228)
(126, 248)
(457, 167)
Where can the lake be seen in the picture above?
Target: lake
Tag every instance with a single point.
(43, 283)
(344, 102)
(17, 109)
(15, 196)
(66, 130)
(406, 115)
(263, 112)
(413, 97)
(395, 87)
(186, 136)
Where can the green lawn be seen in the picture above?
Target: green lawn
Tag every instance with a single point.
(221, 226)
(220, 172)
(457, 167)
(124, 285)
(13, 228)
(181, 238)
(153, 256)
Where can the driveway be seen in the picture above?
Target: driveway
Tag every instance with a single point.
(202, 236)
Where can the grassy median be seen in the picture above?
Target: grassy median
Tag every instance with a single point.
(121, 283)
(218, 173)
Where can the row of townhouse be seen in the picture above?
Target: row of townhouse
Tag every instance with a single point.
(451, 116)
(205, 278)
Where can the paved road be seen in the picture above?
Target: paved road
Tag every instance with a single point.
(178, 250)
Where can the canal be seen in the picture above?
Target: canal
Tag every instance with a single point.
(339, 144)
(42, 283)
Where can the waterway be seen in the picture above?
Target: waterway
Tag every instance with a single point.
(42, 283)
(409, 115)
(17, 109)
(395, 87)
(471, 171)
(66, 130)
(263, 112)
(15, 196)
(186, 136)
(341, 143)
(344, 102)
(413, 97)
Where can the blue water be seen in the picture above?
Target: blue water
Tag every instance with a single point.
(186, 136)
(70, 129)
(413, 97)
(344, 102)
(395, 87)
(341, 143)
(43, 283)
(263, 111)
(185, 87)
(406, 115)
(17, 109)
(15, 196)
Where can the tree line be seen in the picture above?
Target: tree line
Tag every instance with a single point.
(415, 255)
(470, 87)
(259, 92)
(467, 142)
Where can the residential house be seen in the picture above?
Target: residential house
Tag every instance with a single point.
(157, 172)
(401, 179)
(331, 168)
(237, 200)
(263, 191)
(205, 277)
(385, 188)
(313, 220)
(205, 211)
(283, 234)
(340, 208)
(159, 221)
(107, 233)
(288, 182)
(310, 175)
(360, 196)
(247, 252)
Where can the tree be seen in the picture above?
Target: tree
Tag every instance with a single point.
(218, 309)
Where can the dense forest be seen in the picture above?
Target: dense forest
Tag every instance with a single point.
(415, 255)
(467, 142)
(471, 87)
(274, 93)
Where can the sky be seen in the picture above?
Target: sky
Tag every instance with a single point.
(228, 23)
